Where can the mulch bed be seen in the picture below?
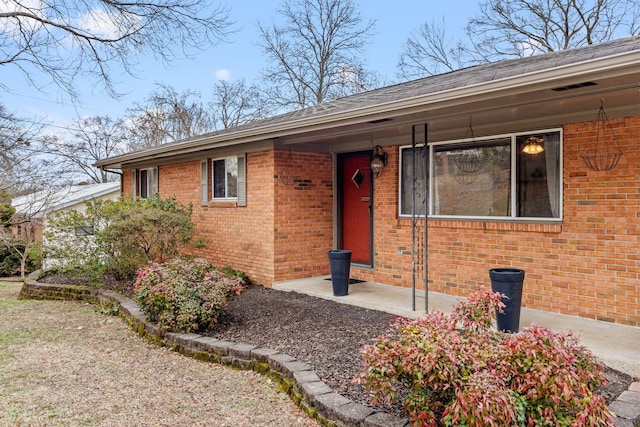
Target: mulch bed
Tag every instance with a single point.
(326, 334)
(323, 333)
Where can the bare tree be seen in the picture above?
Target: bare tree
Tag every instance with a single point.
(429, 51)
(12, 145)
(22, 230)
(516, 29)
(92, 138)
(62, 39)
(19, 167)
(315, 52)
(167, 115)
(237, 103)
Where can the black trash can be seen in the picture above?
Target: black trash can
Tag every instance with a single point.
(340, 264)
(508, 281)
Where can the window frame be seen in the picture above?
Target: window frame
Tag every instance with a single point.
(152, 182)
(207, 181)
(226, 196)
(513, 177)
(84, 230)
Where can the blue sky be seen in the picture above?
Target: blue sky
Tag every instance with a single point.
(241, 58)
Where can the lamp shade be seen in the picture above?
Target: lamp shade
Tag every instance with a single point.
(378, 161)
(377, 166)
(533, 145)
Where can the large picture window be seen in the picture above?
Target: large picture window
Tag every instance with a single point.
(472, 180)
(488, 178)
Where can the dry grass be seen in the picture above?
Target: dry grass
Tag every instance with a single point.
(61, 364)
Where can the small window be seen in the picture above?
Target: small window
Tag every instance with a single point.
(146, 183)
(225, 178)
(84, 230)
(491, 177)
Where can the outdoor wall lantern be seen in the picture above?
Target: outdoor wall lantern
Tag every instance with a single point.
(378, 161)
(533, 145)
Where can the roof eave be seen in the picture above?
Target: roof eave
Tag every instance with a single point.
(547, 77)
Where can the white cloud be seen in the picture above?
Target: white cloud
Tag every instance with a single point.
(223, 74)
(100, 23)
(531, 47)
(30, 7)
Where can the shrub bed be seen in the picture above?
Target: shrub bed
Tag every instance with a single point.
(456, 370)
(185, 295)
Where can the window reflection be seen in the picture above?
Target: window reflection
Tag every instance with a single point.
(477, 179)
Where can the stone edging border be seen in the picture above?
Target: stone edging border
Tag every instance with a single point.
(296, 378)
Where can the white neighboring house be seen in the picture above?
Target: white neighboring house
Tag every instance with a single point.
(40, 205)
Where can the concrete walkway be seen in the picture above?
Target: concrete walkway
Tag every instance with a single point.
(618, 346)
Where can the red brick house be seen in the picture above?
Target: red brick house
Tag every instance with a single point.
(272, 197)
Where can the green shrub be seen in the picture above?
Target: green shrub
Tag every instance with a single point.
(185, 296)
(478, 377)
(123, 236)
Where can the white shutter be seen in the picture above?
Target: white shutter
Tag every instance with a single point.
(242, 181)
(204, 182)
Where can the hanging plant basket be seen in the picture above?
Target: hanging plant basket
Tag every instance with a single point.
(468, 162)
(603, 159)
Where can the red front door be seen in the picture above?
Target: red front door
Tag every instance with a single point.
(356, 206)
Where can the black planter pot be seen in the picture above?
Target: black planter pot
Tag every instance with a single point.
(508, 281)
(340, 264)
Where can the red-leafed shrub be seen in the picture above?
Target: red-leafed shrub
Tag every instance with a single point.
(186, 296)
(456, 370)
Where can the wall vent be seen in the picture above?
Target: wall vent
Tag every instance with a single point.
(573, 86)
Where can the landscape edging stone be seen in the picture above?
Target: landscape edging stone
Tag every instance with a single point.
(330, 409)
(313, 397)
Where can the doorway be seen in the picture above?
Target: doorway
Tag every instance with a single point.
(356, 206)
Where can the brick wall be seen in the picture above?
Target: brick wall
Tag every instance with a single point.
(289, 201)
(303, 229)
(239, 237)
(127, 177)
(587, 266)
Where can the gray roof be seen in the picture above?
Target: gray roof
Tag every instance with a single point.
(392, 96)
(461, 78)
